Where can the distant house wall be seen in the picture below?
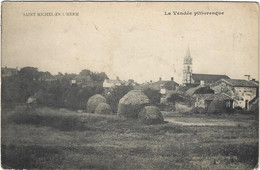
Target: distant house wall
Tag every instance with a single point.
(205, 103)
(222, 87)
(111, 83)
(202, 82)
(200, 103)
(243, 95)
(106, 84)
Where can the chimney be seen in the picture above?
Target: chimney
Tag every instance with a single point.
(172, 78)
(248, 77)
(151, 81)
(253, 79)
(160, 79)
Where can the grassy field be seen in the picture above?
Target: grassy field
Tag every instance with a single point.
(60, 139)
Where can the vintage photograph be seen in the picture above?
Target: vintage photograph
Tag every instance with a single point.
(130, 85)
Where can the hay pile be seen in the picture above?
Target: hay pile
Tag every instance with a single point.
(217, 106)
(132, 103)
(94, 101)
(198, 110)
(103, 108)
(151, 115)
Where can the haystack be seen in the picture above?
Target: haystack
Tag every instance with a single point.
(198, 110)
(132, 103)
(94, 101)
(217, 106)
(151, 115)
(103, 108)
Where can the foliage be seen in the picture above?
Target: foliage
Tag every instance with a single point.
(176, 98)
(180, 97)
(100, 77)
(153, 95)
(53, 91)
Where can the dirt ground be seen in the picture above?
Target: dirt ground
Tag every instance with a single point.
(61, 139)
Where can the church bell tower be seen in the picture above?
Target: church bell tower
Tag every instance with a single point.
(187, 68)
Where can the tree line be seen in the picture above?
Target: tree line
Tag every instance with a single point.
(60, 91)
(54, 91)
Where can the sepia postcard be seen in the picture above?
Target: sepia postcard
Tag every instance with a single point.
(130, 85)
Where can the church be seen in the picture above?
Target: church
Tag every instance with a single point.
(193, 79)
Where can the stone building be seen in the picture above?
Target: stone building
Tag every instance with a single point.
(204, 100)
(243, 92)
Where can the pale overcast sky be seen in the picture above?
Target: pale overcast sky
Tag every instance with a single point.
(132, 40)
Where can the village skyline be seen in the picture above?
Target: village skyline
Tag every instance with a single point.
(151, 46)
(170, 76)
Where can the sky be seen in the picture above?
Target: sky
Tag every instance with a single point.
(132, 40)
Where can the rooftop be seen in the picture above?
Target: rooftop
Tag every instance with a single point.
(214, 96)
(241, 83)
(208, 77)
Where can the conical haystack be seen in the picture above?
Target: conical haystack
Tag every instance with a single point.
(217, 106)
(103, 108)
(94, 101)
(151, 115)
(132, 103)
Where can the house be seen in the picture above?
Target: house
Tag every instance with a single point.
(206, 79)
(243, 92)
(108, 83)
(6, 72)
(199, 90)
(166, 87)
(83, 81)
(206, 100)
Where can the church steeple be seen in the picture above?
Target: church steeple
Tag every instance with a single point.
(188, 52)
(187, 68)
(187, 58)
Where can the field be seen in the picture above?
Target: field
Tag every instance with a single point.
(48, 138)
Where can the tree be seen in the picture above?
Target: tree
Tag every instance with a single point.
(28, 84)
(153, 95)
(99, 77)
(29, 73)
(85, 72)
(175, 98)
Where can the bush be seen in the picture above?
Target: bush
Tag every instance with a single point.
(153, 95)
(31, 117)
(198, 110)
